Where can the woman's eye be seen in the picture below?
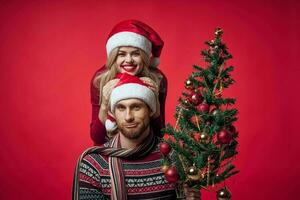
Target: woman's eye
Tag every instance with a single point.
(121, 54)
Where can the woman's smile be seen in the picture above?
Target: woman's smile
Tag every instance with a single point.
(129, 67)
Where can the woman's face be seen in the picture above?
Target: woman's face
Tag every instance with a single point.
(129, 60)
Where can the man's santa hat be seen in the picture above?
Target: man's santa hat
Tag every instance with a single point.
(129, 87)
(136, 34)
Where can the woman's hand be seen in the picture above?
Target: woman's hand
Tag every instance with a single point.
(154, 87)
(106, 92)
(151, 84)
(107, 89)
(191, 193)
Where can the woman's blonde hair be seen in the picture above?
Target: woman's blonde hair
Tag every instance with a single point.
(112, 70)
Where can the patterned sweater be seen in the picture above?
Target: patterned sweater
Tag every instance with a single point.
(143, 177)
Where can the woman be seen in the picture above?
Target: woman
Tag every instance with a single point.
(134, 48)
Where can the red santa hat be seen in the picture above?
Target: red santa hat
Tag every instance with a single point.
(129, 87)
(136, 34)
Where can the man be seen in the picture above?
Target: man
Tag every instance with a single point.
(128, 166)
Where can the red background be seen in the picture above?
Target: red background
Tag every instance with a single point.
(50, 49)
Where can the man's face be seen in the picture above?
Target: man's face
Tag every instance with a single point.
(132, 117)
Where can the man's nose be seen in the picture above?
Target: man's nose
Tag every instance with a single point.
(129, 116)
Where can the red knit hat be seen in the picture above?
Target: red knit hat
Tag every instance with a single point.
(137, 34)
(129, 87)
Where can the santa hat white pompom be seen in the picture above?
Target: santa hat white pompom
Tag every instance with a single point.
(110, 123)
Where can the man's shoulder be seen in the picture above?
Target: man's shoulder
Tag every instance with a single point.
(93, 155)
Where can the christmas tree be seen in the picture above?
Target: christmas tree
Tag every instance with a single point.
(204, 139)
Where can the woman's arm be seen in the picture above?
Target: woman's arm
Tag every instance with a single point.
(159, 122)
(97, 128)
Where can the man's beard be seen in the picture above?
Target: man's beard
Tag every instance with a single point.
(133, 134)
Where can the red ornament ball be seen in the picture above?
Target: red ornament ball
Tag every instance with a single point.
(195, 98)
(195, 120)
(203, 107)
(231, 129)
(164, 148)
(172, 175)
(197, 136)
(224, 137)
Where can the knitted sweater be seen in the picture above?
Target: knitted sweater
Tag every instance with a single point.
(97, 128)
(143, 177)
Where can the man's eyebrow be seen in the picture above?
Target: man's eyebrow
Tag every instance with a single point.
(136, 104)
(119, 104)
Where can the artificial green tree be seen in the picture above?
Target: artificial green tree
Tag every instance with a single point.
(204, 139)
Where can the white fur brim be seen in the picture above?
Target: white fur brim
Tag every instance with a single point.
(133, 90)
(128, 39)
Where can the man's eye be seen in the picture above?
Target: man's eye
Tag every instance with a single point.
(137, 107)
(120, 108)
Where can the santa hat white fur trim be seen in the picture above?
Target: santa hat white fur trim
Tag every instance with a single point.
(133, 90)
(128, 39)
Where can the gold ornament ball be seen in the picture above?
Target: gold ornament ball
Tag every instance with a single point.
(188, 84)
(215, 112)
(223, 194)
(203, 136)
(192, 170)
(164, 168)
(193, 174)
(218, 32)
(186, 103)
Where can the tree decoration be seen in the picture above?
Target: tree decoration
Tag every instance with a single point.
(172, 175)
(196, 121)
(223, 194)
(186, 103)
(197, 136)
(224, 137)
(193, 173)
(203, 107)
(215, 112)
(188, 84)
(231, 129)
(164, 168)
(204, 138)
(165, 148)
(195, 98)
